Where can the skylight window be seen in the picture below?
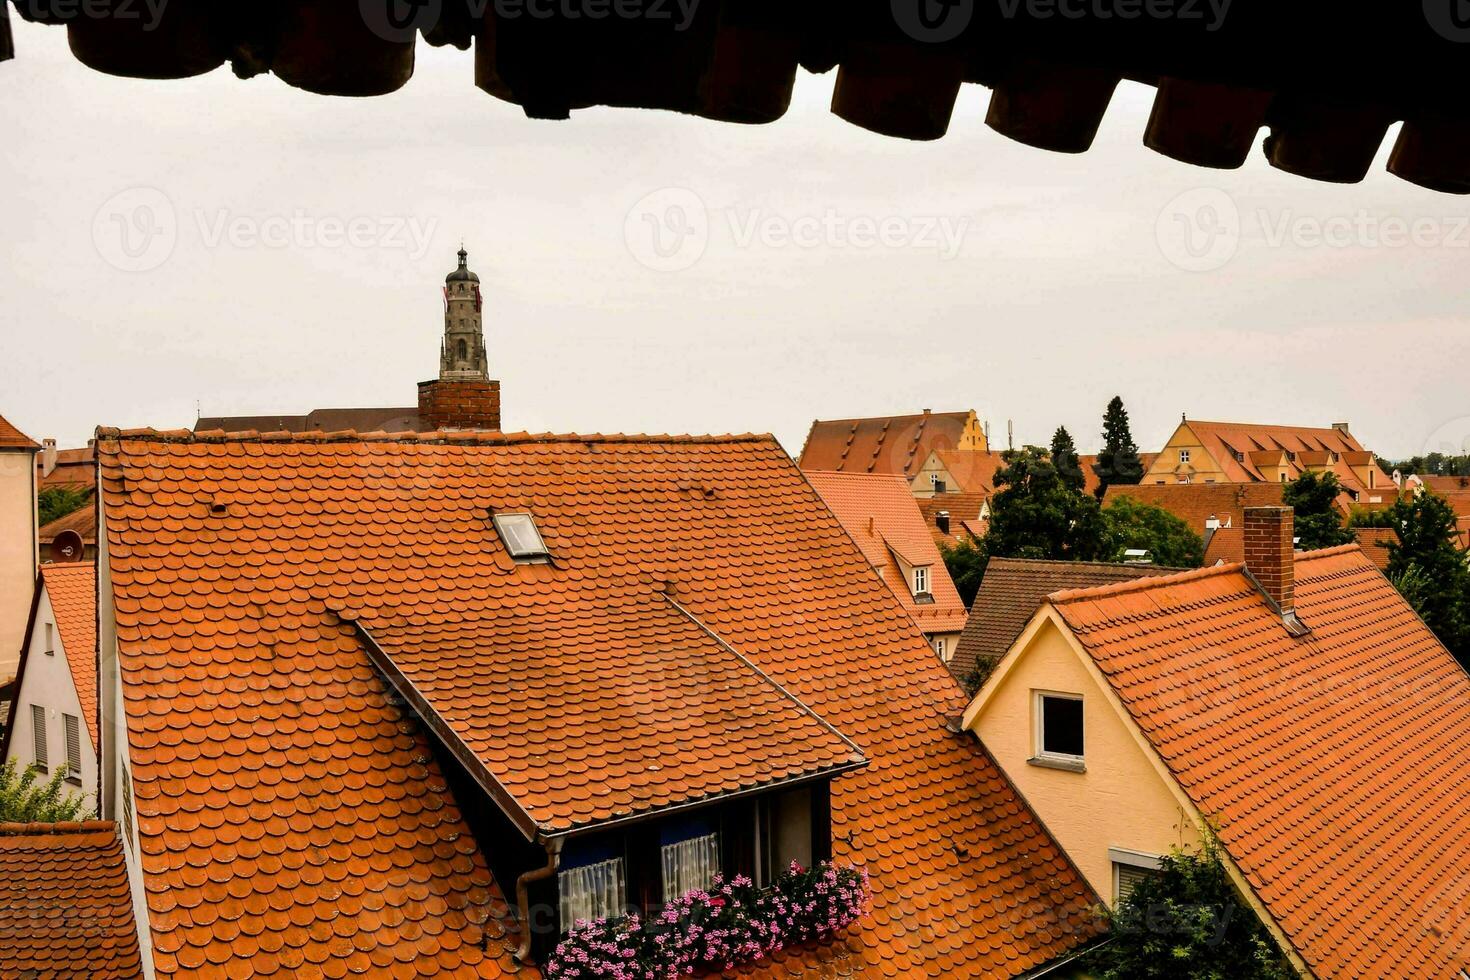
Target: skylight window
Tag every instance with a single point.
(521, 538)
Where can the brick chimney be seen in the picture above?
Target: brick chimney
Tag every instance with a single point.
(459, 405)
(1270, 553)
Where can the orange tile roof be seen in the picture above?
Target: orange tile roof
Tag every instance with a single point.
(72, 588)
(964, 514)
(13, 438)
(75, 469)
(240, 566)
(1339, 798)
(1225, 544)
(1013, 589)
(1375, 541)
(887, 444)
(882, 516)
(1444, 484)
(65, 908)
(973, 471)
(83, 521)
(1224, 439)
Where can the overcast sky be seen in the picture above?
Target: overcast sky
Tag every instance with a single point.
(806, 269)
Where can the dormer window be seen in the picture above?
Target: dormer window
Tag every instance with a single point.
(521, 538)
(921, 580)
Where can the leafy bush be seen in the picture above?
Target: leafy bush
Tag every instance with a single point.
(1168, 540)
(54, 503)
(733, 922)
(22, 800)
(1188, 923)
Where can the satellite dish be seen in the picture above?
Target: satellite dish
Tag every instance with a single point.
(67, 546)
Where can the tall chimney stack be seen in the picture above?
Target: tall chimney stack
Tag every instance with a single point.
(1270, 558)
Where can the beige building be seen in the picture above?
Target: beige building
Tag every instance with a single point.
(17, 541)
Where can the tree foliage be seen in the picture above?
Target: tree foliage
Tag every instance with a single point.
(1034, 514)
(25, 799)
(1168, 540)
(54, 503)
(1188, 923)
(1064, 458)
(1318, 521)
(1118, 462)
(965, 562)
(1430, 569)
(1434, 464)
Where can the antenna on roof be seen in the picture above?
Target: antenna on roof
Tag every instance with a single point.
(1010, 434)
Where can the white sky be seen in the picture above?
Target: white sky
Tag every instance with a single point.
(1059, 296)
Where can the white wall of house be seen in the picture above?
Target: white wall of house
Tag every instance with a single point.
(48, 685)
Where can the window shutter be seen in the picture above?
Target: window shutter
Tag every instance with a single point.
(38, 734)
(1128, 879)
(73, 745)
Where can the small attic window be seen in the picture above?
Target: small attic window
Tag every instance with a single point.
(521, 538)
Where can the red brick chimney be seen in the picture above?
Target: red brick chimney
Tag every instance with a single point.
(459, 405)
(1270, 558)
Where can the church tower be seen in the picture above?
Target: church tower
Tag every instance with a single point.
(463, 396)
(462, 355)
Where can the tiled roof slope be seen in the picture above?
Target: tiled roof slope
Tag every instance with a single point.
(83, 520)
(973, 471)
(1012, 591)
(888, 444)
(1375, 541)
(963, 510)
(1196, 503)
(635, 706)
(13, 438)
(1224, 439)
(65, 908)
(72, 588)
(1225, 544)
(392, 531)
(75, 469)
(882, 516)
(1336, 765)
(317, 420)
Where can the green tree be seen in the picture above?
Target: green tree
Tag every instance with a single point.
(25, 800)
(1118, 462)
(1064, 458)
(56, 502)
(1431, 569)
(1167, 539)
(966, 564)
(1318, 520)
(1187, 922)
(1034, 514)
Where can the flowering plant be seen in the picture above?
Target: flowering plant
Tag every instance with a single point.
(731, 922)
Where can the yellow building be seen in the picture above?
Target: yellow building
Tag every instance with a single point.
(1232, 452)
(17, 541)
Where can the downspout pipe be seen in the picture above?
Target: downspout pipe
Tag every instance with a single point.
(522, 954)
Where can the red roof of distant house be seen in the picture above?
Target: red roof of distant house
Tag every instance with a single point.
(65, 906)
(1340, 798)
(1197, 503)
(964, 515)
(888, 444)
(72, 589)
(74, 469)
(882, 516)
(13, 438)
(1375, 541)
(973, 471)
(1254, 443)
(248, 575)
(1224, 544)
(83, 521)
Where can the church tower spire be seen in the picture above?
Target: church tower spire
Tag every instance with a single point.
(462, 354)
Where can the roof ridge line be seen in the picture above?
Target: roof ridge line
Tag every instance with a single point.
(56, 829)
(1143, 584)
(442, 437)
(1095, 564)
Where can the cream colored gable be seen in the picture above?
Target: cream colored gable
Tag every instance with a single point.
(923, 482)
(1120, 802)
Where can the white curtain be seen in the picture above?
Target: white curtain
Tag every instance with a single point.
(690, 864)
(594, 891)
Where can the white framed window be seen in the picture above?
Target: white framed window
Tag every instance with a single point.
(50, 632)
(1184, 455)
(1130, 868)
(593, 891)
(38, 736)
(520, 535)
(939, 648)
(73, 729)
(690, 864)
(1059, 730)
(921, 580)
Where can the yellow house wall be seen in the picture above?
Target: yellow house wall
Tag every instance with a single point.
(973, 437)
(1206, 469)
(1120, 801)
(17, 554)
(923, 482)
